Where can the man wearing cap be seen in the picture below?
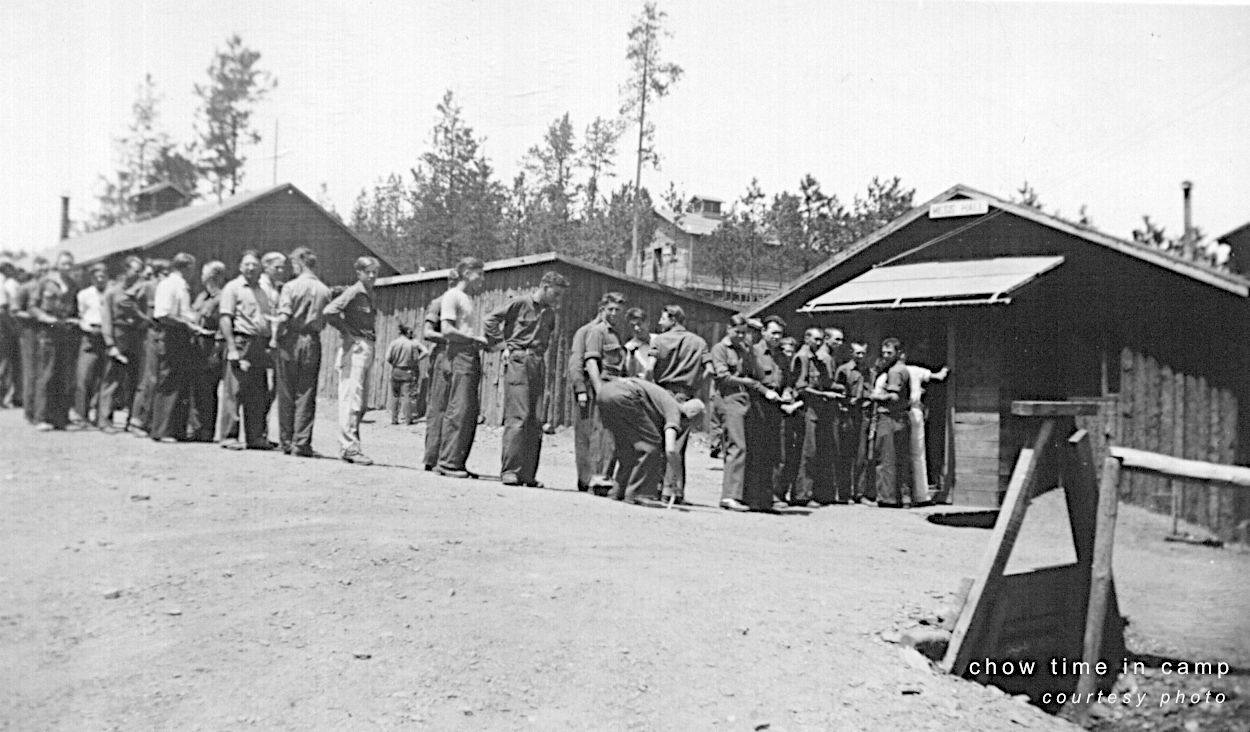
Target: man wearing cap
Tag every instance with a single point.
(246, 320)
(645, 421)
(296, 341)
(523, 326)
(592, 443)
(680, 358)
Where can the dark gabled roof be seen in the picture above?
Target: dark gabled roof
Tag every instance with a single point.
(160, 186)
(550, 258)
(141, 235)
(694, 224)
(1234, 232)
(1227, 281)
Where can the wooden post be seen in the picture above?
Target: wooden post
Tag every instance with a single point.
(1100, 581)
(978, 610)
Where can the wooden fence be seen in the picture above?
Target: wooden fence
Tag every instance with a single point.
(1166, 411)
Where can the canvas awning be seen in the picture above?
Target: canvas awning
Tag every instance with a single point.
(934, 284)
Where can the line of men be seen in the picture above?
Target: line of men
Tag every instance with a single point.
(141, 344)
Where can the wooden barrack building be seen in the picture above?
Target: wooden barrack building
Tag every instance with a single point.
(1023, 305)
(403, 299)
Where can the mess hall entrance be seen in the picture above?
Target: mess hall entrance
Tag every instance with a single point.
(956, 314)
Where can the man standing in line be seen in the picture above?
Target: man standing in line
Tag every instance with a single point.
(893, 429)
(208, 353)
(353, 315)
(524, 326)
(639, 359)
(141, 407)
(92, 353)
(603, 360)
(296, 342)
(917, 414)
(438, 381)
(176, 324)
(680, 358)
(645, 421)
(122, 330)
(404, 357)
(764, 460)
(461, 328)
(246, 323)
(814, 379)
(854, 380)
(10, 366)
(20, 307)
(53, 309)
(733, 368)
(792, 424)
(273, 276)
(592, 443)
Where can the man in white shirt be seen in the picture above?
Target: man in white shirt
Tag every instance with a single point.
(916, 414)
(92, 353)
(174, 351)
(462, 329)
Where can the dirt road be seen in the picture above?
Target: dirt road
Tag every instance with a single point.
(186, 587)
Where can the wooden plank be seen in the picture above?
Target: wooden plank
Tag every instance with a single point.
(1229, 516)
(1073, 408)
(1195, 470)
(1080, 491)
(1213, 455)
(1180, 408)
(1100, 580)
(970, 628)
(1128, 409)
(1150, 486)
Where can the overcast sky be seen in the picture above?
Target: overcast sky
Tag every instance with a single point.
(1108, 105)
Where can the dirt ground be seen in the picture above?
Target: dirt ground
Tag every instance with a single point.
(149, 586)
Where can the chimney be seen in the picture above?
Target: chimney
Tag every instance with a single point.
(64, 217)
(1186, 188)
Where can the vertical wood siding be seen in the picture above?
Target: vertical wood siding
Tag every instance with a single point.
(406, 302)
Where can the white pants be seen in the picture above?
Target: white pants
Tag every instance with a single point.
(355, 356)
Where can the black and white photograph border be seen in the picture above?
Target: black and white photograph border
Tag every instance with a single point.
(651, 365)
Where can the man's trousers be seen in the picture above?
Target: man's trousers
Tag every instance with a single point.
(436, 403)
(55, 351)
(463, 406)
(816, 480)
(117, 388)
(354, 359)
(93, 361)
(524, 379)
(246, 393)
(893, 458)
(296, 371)
(734, 407)
(171, 399)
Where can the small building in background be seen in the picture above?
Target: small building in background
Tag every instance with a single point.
(278, 218)
(1023, 305)
(159, 198)
(670, 257)
(403, 299)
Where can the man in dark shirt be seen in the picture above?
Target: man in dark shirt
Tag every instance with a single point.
(733, 367)
(851, 380)
(438, 380)
(792, 424)
(352, 314)
(53, 310)
(297, 352)
(121, 327)
(403, 355)
(20, 307)
(893, 445)
(680, 362)
(592, 443)
(523, 326)
(764, 459)
(145, 297)
(644, 420)
(603, 359)
(814, 380)
(208, 351)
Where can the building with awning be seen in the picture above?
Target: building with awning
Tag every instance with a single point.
(1023, 305)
